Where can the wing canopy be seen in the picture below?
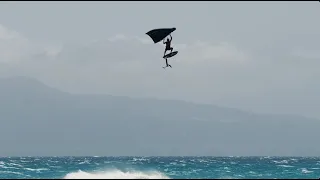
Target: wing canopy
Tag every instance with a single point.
(158, 35)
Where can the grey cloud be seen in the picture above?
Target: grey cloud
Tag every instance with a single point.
(269, 63)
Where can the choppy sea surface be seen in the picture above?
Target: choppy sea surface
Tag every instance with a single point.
(159, 167)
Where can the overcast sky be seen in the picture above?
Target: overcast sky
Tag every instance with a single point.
(262, 57)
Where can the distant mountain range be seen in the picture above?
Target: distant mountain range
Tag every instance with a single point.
(37, 120)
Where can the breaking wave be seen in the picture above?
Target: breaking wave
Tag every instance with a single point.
(116, 174)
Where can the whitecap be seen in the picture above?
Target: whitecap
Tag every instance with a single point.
(115, 174)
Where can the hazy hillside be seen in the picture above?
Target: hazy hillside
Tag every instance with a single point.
(39, 120)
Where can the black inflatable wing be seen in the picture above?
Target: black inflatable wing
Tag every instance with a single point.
(158, 35)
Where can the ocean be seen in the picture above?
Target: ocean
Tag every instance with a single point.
(159, 167)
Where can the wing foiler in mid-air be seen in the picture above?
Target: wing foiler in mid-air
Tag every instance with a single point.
(158, 35)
